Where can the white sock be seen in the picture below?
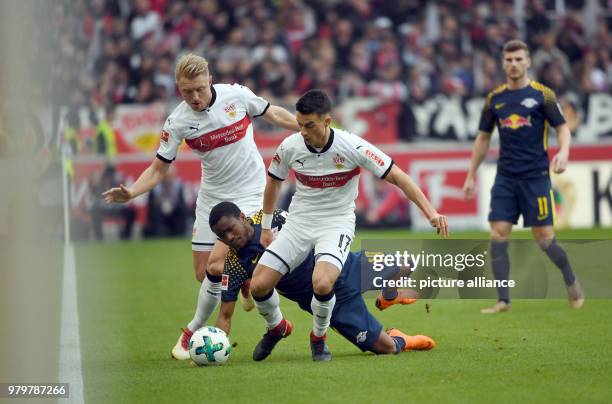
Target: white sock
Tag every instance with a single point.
(270, 309)
(208, 298)
(321, 314)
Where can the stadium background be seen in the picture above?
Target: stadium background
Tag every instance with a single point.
(408, 75)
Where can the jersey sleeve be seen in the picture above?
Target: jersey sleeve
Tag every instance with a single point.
(236, 276)
(169, 142)
(255, 106)
(373, 159)
(551, 108)
(279, 166)
(487, 120)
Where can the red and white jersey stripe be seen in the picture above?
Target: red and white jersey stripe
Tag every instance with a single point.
(327, 179)
(222, 136)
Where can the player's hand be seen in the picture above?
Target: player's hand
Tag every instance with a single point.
(117, 195)
(468, 187)
(266, 237)
(440, 222)
(559, 162)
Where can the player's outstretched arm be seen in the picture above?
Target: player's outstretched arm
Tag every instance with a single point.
(271, 194)
(147, 180)
(412, 191)
(224, 319)
(564, 136)
(279, 116)
(479, 152)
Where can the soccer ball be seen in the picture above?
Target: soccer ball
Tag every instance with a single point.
(209, 346)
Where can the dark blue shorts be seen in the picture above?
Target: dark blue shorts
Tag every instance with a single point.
(354, 322)
(533, 198)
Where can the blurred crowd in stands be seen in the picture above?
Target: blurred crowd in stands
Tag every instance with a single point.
(123, 51)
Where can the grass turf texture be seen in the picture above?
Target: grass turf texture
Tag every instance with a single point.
(133, 297)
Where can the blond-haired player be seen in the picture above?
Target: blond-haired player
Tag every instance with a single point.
(216, 123)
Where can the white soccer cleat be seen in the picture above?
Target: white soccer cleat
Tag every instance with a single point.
(181, 349)
(575, 295)
(498, 307)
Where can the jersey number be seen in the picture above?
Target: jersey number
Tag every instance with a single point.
(542, 207)
(348, 242)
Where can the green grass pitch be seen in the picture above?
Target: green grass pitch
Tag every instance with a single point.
(134, 297)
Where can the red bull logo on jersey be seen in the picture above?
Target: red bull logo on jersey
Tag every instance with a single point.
(514, 122)
(164, 136)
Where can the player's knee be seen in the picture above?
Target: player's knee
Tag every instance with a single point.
(259, 288)
(322, 285)
(498, 235)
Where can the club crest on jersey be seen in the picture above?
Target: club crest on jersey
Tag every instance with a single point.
(529, 103)
(374, 157)
(339, 161)
(164, 136)
(230, 110)
(361, 337)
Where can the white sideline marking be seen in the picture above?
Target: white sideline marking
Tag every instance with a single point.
(70, 370)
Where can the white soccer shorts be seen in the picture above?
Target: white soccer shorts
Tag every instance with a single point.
(203, 237)
(331, 240)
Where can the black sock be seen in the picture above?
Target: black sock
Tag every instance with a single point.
(558, 256)
(501, 267)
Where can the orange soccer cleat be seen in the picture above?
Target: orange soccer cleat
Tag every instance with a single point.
(413, 342)
(403, 297)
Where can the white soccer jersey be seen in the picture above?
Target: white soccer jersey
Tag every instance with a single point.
(222, 136)
(327, 180)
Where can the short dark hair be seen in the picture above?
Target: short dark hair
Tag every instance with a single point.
(221, 210)
(514, 45)
(314, 102)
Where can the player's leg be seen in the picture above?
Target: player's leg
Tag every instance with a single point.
(545, 237)
(267, 302)
(224, 319)
(285, 253)
(404, 342)
(538, 206)
(208, 296)
(500, 263)
(210, 290)
(503, 214)
(332, 248)
(266, 298)
(322, 305)
(208, 260)
(355, 323)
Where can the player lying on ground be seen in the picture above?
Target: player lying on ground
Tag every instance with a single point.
(350, 316)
